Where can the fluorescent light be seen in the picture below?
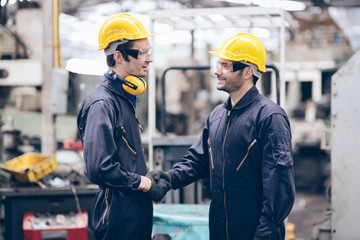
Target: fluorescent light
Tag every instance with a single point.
(246, 2)
(174, 37)
(162, 28)
(217, 17)
(260, 32)
(292, 5)
(284, 4)
(199, 19)
(3, 3)
(265, 3)
(85, 66)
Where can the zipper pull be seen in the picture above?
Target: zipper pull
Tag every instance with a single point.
(123, 129)
(228, 116)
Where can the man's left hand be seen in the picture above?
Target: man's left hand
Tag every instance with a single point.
(160, 185)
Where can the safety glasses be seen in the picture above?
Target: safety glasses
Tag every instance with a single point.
(230, 66)
(138, 53)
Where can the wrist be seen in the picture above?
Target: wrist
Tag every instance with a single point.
(168, 174)
(145, 184)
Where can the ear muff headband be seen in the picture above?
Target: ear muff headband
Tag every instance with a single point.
(133, 85)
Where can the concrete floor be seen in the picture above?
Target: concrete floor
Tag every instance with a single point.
(308, 210)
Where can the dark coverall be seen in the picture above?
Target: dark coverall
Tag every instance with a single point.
(114, 160)
(247, 151)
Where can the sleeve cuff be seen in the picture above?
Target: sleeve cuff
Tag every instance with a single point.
(135, 183)
(172, 177)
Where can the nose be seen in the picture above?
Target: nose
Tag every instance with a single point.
(149, 58)
(217, 72)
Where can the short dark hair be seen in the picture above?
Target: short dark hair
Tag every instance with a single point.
(239, 66)
(110, 58)
(255, 79)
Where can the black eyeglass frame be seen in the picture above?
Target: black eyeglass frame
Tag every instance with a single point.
(132, 52)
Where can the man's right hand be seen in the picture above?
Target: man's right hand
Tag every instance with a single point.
(160, 185)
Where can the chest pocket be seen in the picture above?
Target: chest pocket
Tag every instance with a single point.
(123, 142)
(247, 154)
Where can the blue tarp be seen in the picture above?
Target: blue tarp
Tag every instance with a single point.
(182, 221)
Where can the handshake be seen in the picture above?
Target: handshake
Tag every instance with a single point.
(160, 185)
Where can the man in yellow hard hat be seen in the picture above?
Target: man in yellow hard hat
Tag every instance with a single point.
(245, 148)
(110, 133)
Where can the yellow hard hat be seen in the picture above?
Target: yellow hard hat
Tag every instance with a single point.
(119, 27)
(243, 47)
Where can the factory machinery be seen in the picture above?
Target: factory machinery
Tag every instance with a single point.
(37, 204)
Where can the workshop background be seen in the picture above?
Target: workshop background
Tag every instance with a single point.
(49, 62)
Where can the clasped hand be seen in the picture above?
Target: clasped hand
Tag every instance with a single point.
(160, 184)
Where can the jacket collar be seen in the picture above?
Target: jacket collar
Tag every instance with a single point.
(112, 85)
(248, 98)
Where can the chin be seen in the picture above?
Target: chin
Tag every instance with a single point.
(222, 88)
(143, 74)
(219, 87)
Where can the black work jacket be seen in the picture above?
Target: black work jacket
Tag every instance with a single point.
(247, 151)
(114, 159)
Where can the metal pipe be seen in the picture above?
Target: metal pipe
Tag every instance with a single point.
(163, 105)
(277, 78)
(151, 104)
(282, 60)
(56, 33)
(48, 133)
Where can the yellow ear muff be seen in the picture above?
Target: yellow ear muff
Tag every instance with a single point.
(134, 85)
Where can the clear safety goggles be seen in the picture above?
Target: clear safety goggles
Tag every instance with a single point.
(230, 66)
(135, 53)
(225, 67)
(138, 53)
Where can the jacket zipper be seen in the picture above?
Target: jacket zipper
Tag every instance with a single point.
(248, 150)
(211, 158)
(223, 174)
(140, 129)
(107, 203)
(127, 144)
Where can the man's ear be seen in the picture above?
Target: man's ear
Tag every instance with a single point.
(248, 73)
(118, 57)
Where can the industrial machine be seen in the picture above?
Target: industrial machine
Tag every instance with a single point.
(345, 151)
(16, 201)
